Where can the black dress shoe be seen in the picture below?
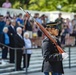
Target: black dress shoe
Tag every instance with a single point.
(19, 69)
(12, 62)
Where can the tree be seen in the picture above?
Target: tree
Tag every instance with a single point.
(44, 5)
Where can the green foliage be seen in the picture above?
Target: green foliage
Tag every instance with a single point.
(16, 5)
(44, 5)
(1, 2)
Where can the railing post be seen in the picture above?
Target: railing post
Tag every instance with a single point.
(15, 59)
(75, 40)
(26, 62)
(69, 57)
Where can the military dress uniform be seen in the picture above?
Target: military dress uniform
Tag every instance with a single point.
(52, 59)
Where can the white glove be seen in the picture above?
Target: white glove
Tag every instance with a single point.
(64, 55)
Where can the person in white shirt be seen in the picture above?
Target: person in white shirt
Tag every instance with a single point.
(27, 52)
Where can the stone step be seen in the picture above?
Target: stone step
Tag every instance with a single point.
(8, 69)
(22, 72)
(67, 65)
(5, 66)
(30, 69)
(14, 73)
(35, 63)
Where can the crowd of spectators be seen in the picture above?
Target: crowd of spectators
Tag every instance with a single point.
(65, 26)
(26, 24)
(11, 28)
(66, 30)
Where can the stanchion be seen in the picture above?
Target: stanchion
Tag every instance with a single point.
(26, 68)
(15, 59)
(26, 62)
(69, 57)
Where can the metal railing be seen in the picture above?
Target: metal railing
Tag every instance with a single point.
(26, 70)
(72, 56)
(70, 62)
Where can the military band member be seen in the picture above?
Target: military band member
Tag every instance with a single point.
(52, 59)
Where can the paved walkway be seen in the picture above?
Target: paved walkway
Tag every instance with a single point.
(68, 71)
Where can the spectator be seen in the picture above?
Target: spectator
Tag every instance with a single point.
(12, 33)
(2, 24)
(44, 19)
(6, 41)
(28, 44)
(70, 26)
(39, 32)
(69, 40)
(59, 21)
(19, 43)
(37, 18)
(6, 4)
(64, 31)
(8, 22)
(74, 21)
(74, 26)
(8, 16)
(28, 25)
(20, 21)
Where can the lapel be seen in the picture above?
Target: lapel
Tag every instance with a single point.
(20, 36)
(13, 29)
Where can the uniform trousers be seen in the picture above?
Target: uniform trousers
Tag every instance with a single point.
(47, 73)
(56, 74)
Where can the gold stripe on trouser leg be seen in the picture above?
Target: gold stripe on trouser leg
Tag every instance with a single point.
(50, 73)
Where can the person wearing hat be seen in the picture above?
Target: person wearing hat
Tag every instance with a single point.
(52, 59)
